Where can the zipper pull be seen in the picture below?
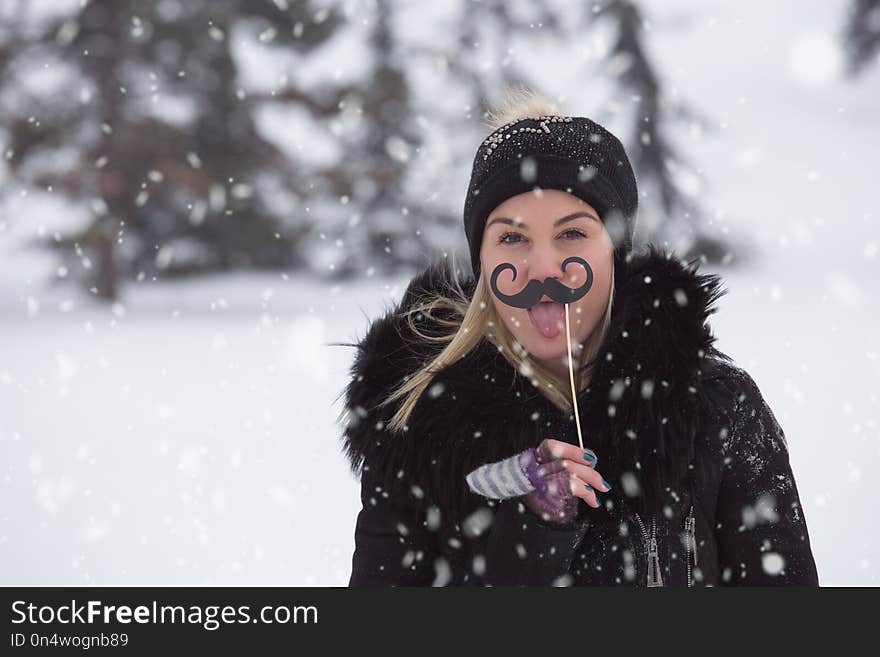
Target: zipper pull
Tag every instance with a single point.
(691, 526)
(655, 578)
(692, 532)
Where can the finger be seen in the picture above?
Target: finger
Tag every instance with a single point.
(587, 475)
(542, 453)
(590, 457)
(584, 491)
(551, 448)
(564, 484)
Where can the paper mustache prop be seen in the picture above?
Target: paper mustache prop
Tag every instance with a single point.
(531, 294)
(535, 289)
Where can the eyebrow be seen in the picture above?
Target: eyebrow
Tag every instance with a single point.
(559, 222)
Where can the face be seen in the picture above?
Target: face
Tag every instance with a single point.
(535, 232)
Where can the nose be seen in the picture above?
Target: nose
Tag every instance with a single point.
(546, 263)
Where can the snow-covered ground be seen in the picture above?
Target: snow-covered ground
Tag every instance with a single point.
(190, 449)
(189, 436)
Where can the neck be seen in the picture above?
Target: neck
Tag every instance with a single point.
(559, 367)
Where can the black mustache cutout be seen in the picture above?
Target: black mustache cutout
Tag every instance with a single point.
(535, 289)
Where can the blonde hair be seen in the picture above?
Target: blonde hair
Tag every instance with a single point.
(468, 320)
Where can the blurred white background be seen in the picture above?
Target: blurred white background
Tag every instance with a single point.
(186, 433)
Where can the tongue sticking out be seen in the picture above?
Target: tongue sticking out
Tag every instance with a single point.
(548, 318)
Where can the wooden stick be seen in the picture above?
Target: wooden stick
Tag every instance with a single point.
(577, 415)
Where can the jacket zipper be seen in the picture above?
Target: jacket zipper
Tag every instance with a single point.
(690, 525)
(653, 577)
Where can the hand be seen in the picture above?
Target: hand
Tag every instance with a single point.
(560, 474)
(555, 471)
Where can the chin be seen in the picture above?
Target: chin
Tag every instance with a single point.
(545, 348)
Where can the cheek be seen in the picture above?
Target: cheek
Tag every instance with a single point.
(492, 254)
(591, 308)
(516, 320)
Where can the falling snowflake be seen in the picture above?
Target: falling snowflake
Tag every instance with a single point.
(477, 522)
(443, 573)
(773, 563)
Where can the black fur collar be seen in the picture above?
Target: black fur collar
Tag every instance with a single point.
(639, 412)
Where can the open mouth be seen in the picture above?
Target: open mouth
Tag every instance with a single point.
(548, 318)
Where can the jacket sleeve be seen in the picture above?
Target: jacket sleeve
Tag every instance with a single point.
(398, 542)
(393, 545)
(760, 526)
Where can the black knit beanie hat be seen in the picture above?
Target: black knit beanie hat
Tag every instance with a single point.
(570, 153)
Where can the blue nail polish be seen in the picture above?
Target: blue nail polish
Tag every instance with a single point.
(606, 484)
(589, 457)
(588, 487)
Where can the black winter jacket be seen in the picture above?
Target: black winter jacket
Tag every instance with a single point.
(702, 489)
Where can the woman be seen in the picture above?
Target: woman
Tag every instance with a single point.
(460, 419)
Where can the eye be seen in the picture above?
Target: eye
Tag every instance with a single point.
(570, 234)
(502, 240)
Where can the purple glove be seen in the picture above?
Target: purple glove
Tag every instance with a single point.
(552, 500)
(537, 476)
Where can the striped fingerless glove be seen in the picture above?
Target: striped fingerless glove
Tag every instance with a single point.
(534, 474)
(506, 478)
